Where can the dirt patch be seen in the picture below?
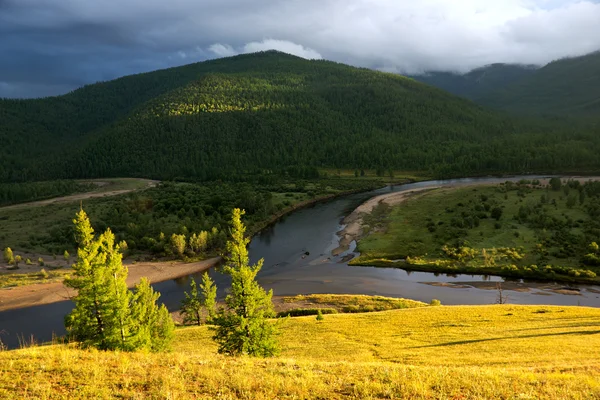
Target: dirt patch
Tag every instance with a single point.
(83, 196)
(32, 295)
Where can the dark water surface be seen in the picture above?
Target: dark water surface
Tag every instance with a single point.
(288, 271)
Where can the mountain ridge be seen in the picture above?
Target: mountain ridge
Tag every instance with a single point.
(264, 112)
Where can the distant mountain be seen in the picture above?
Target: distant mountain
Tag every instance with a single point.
(478, 82)
(267, 113)
(569, 86)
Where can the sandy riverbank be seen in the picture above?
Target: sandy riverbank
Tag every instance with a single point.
(46, 293)
(353, 228)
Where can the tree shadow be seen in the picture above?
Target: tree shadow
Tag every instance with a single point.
(508, 338)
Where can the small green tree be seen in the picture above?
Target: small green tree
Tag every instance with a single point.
(152, 327)
(555, 184)
(178, 244)
(203, 296)
(9, 257)
(18, 259)
(243, 326)
(209, 297)
(320, 316)
(191, 305)
(496, 213)
(41, 262)
(106, 314)
(67, 257)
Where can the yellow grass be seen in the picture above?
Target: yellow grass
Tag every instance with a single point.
(465, 352)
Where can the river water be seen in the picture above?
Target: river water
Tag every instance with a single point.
(297, 260)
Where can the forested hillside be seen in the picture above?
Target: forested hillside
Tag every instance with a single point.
(269, 112)
(569, 86)
(479, 82)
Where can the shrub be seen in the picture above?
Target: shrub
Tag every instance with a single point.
(320, 315)
(435, 303)
(301, 312)
(43, 274)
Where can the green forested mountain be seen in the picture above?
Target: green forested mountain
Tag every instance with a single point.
(570, 86)
(479, 82)
(269, 112)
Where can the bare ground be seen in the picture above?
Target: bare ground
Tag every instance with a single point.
(83, 196)
(38, 294)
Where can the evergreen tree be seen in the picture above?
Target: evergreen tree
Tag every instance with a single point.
(197, 300)
(191, 306)
(243, 326)
(100, 317)
(106, 314)
(152, 326)
(209, 296)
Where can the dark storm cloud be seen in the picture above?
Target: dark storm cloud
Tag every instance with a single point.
(52, 46)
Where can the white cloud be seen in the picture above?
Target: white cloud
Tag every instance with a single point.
(394, 35)
(221, 50)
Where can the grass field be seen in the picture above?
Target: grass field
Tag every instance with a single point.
(461, 218)
(459, 352)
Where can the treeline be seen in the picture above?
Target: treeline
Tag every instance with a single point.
(11, 193)
(257, 115)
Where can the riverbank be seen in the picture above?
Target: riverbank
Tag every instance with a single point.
(523, 229)
(257, 228)
(353, 223)
(46, 293)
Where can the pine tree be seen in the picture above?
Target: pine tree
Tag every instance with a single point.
(106, 314)
(191, 306)
(152, 326)
(243, 326)
(100, 317)
(197, 300)
(209, 296)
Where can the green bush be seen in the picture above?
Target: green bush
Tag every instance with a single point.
(301, 312)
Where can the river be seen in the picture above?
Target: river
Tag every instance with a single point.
(297, 260)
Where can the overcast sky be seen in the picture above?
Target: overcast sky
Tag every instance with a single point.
(49, 47)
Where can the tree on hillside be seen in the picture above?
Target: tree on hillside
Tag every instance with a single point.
(152, 326)
(106, 314)
(201, 297)
(243, 326)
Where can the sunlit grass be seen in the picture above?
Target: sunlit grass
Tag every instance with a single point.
(471, 352)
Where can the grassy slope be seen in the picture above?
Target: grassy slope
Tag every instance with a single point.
(466, 352)
(404, 231)
(569, 86)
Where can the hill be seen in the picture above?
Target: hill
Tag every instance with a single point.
(265, 113)
(478, 82)
(569, 86)
(471, 352)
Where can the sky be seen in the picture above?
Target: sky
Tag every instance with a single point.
(50, 47)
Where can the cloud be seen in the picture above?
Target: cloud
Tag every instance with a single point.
(221, 50)
(65, 43)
